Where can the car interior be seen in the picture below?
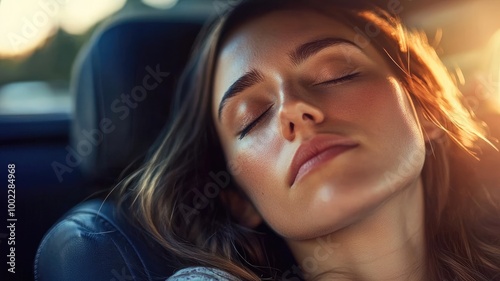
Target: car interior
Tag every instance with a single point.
(91, 228)
(120, 90)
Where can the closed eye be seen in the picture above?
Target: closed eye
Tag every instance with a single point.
(339, 80)
(250, 126)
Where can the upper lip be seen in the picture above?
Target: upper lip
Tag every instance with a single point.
(314, 147)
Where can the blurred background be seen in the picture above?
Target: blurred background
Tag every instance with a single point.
(40, 41)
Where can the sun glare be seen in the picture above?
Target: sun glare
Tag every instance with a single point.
(494, 68)
(79, 15)
(26, 24)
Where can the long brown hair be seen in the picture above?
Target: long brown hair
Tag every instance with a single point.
(175, 196)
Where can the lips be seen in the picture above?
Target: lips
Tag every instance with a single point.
(316, 151)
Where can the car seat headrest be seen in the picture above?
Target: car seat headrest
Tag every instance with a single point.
(123, 82)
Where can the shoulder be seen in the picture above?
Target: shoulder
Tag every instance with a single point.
(201, 274)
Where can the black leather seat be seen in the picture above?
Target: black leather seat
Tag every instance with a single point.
(122, 102)
(92, 243)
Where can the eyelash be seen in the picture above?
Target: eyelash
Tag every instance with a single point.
(250, 126)
(340, 80)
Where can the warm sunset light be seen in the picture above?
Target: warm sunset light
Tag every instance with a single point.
(494, 68)
(79, 15)
(26, 24)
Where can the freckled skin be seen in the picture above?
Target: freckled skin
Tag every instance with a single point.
(371, 109)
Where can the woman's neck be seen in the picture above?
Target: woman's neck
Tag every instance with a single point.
(388, 245)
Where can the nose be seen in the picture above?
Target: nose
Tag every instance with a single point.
(298, 117)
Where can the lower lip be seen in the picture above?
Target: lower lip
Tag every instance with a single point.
(319, 159)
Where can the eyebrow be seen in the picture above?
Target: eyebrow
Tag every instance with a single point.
(244, 82)
(308, 49)
(299, 55)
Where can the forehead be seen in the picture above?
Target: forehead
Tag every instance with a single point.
(266, 41)
(295, 25)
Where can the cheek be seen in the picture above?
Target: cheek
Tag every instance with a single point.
(398, 145)
(256, 158)
(380, 108)
(398, 121)
(383, 120)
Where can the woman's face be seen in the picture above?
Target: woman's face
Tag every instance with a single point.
(319, 129)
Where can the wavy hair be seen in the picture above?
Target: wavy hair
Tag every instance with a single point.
(175, 196)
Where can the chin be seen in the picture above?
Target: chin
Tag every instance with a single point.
(334, 208)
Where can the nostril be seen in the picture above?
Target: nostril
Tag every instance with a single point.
(307, 116)
(291, 127)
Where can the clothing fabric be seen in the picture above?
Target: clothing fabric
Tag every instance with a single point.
(201, 274)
